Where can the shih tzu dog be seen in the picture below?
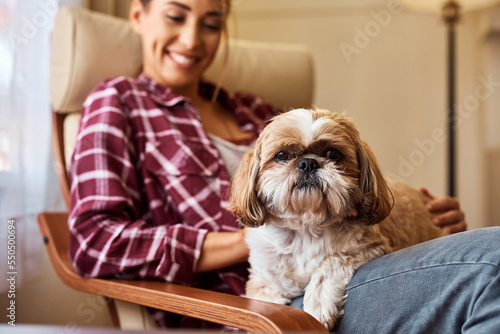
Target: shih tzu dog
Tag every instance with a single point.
(320, 208)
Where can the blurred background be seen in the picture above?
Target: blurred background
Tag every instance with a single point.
(381, 64)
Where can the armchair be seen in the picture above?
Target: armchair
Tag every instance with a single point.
(88, 47)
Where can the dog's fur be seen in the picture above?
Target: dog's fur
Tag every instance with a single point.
(315, 195)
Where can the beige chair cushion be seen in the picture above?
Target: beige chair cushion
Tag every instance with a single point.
(88, 47)
(70, 130)
(134, 317)
(280, 73)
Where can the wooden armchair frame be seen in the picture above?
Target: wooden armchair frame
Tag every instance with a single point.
(239, 312)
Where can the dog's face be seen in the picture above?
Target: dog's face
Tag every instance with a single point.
(309, 167)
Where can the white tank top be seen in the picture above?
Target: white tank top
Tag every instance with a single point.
(230, 153)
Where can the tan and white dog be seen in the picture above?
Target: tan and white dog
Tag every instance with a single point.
(320, 208)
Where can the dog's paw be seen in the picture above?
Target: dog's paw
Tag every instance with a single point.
(326, 313)
(265, 294)
(276, 300)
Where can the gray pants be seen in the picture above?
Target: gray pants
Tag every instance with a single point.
(449, 285)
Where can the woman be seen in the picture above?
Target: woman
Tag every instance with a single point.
(148, 173)
(147, 180)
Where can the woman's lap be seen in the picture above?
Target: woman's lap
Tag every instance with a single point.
(448, 285)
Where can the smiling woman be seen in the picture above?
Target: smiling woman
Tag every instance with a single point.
(180, 40)
(148, 179)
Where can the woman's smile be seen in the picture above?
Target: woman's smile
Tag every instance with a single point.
(181, 59)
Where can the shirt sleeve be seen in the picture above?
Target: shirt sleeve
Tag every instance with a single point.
(108, 238)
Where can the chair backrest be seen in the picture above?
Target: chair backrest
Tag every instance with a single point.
(89, 47)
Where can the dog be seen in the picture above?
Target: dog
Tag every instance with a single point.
(319, 208)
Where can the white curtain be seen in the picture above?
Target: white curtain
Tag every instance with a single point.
(28, 184)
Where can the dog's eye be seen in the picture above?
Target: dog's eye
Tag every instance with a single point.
(334, 154)
(281, 156)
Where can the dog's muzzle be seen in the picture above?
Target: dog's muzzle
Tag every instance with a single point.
(308, 165)
(308, 178)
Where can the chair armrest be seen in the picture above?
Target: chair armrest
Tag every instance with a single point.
(244, 313)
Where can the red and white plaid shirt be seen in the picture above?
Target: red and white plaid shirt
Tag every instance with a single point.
(147, 184)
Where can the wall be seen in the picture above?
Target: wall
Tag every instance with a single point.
(386, 68)
(491, 118)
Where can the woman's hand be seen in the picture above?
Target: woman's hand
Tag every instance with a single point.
(221, 250)
(447, 212)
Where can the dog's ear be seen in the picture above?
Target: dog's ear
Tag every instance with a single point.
(244, 202)
(377, 199)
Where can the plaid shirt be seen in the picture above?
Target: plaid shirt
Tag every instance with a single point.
(147, 184)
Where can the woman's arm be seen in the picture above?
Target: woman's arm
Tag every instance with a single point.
(221, 250)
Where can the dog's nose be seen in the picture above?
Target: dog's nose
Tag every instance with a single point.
(308, 165)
